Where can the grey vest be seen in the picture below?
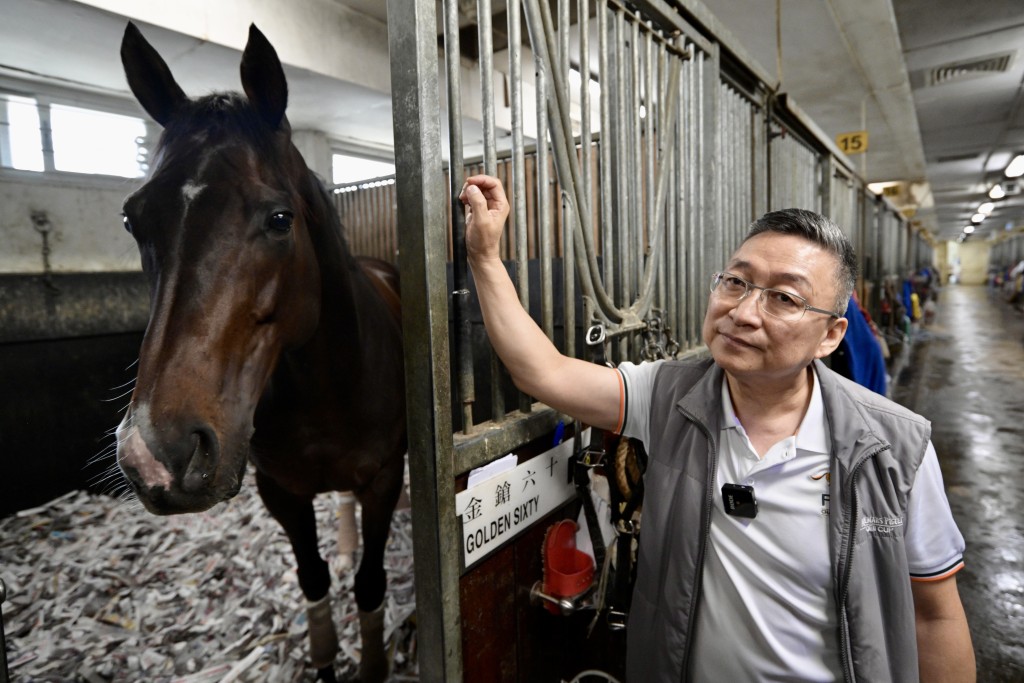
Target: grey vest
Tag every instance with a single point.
(877, 447)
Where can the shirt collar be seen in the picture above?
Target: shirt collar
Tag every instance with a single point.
(813, 432)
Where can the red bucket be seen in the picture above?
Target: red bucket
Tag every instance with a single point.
(567, 571)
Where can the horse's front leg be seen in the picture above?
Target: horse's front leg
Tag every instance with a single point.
(296, 515)
(378, 504)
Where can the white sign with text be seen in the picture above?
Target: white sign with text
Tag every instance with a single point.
(496, 510)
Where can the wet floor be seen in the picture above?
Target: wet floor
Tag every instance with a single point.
(966, 374)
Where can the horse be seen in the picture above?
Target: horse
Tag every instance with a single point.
(268, 341)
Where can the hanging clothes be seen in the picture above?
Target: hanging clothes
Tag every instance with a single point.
(859, 356)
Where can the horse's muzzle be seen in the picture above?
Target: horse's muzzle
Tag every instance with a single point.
(176, 475)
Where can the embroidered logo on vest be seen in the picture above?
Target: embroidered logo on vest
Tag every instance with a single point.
(881, 526)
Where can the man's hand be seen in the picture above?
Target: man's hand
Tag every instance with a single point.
(486, 211)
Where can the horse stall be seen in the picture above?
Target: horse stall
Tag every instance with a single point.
(636, 147)
(637, 141)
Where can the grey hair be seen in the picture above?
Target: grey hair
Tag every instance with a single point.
(823, 232)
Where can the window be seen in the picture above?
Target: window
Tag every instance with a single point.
(21, 142)
(81, 140)
(88, 141)
(350, 169)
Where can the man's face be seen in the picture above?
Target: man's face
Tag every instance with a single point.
(750, 344)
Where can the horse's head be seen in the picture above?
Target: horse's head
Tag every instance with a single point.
(223, 228)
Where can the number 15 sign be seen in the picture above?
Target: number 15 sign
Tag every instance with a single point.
(855, 142)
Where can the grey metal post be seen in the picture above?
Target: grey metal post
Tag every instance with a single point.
(460, 295)
(412, 35)
(515, 69)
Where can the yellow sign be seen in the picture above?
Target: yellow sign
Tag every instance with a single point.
(854, 142)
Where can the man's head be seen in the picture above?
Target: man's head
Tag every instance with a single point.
(807, 265)
(822, 231)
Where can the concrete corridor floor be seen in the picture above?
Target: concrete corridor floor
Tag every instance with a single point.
(965, 373)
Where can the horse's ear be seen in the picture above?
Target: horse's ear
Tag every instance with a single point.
(263, 78)
(148, 77)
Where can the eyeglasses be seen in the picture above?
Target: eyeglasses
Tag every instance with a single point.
(775, 302)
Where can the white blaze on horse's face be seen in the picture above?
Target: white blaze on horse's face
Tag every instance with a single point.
(190, 191)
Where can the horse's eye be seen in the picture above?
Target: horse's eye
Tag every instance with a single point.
(281, 221)
(127, 224)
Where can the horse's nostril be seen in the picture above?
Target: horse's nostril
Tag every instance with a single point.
(202, 461)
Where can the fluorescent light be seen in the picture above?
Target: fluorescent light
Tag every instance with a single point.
(997, 192)
(969, 229)
(977, 218)
(1016, 167)
(986, 208)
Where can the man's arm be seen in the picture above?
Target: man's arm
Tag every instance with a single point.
(944, 649)
(586, 391)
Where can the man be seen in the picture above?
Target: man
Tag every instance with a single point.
(794, 524)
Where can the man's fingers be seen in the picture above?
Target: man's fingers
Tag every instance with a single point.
(475, 198)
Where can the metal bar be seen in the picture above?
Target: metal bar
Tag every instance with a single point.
(568, 215)
(544, 203)
(643, 304)
(485, 43)
(567, 164)
(515, 86)
(583, 15)
(412, 36)
(606, 174)
(491, 440)
(635, 175)
(621, 152)
(460, 269)
(568, 276)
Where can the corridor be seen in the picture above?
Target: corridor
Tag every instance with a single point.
(966, 374)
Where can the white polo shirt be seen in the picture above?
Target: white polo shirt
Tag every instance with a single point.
(767, 611)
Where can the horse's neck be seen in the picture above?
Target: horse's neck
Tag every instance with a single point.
(341, 285)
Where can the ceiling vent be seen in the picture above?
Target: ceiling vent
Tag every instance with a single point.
(967, 69)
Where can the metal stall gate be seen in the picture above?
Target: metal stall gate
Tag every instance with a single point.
(635, 159)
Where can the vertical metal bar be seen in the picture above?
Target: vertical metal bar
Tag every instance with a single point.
(485, 41)
(544, 204)
(650, 133)
(713, 251)
(568, 217)
(606, 174)
(515, 86)
(681, 291)
(583, 22)
(621, 153)
(568, 276)
(412, 36)
(460, 270)
(635, 175)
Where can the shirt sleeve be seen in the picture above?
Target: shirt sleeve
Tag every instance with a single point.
(637, 386)
(935, 546)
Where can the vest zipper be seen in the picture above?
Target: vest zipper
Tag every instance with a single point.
(709, 497)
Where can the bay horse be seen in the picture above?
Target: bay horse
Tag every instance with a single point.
(268, 341)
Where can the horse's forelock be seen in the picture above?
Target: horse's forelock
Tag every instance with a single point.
(219, 115)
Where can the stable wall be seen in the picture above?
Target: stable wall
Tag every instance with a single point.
(85, 229)
(974, 257)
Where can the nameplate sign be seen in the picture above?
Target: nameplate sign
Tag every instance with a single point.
(496, 510)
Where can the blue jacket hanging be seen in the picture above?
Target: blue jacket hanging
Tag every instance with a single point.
(859, 356)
